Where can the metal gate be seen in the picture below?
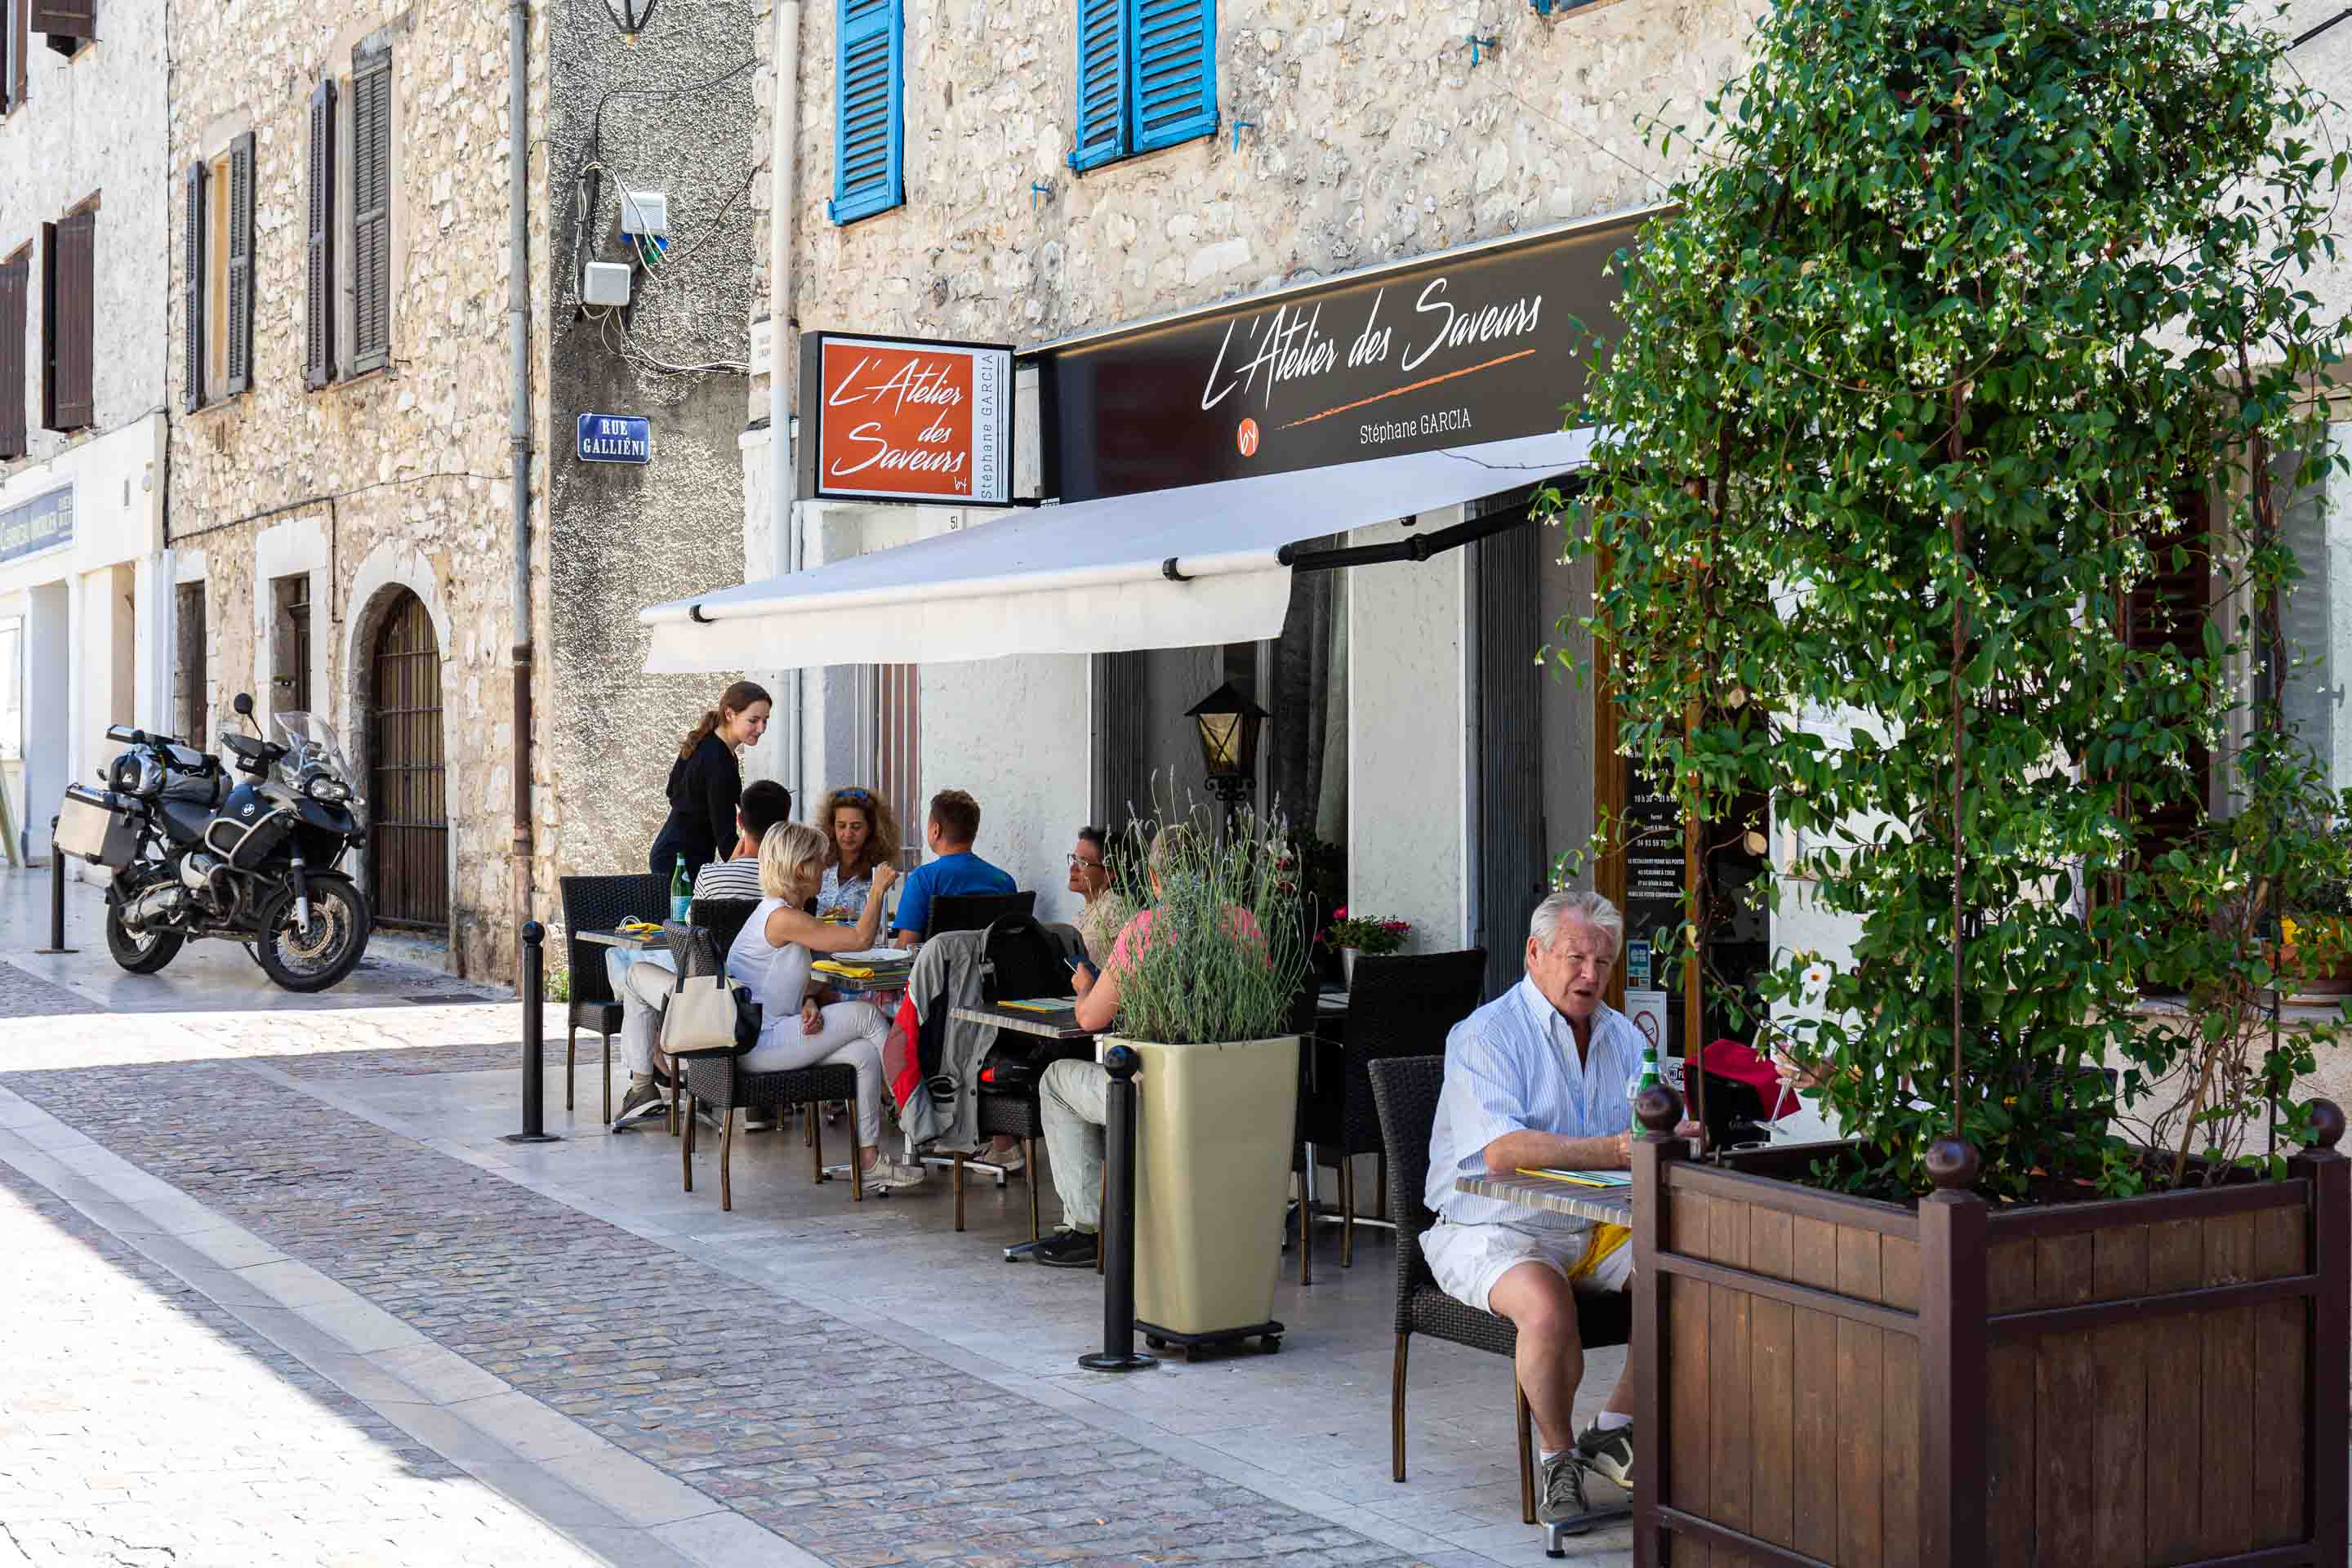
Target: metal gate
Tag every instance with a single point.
(408, 816)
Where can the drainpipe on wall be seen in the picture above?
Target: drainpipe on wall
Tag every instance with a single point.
(783, 516)
(518, 423)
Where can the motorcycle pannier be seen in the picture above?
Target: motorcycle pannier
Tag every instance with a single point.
(94, 825)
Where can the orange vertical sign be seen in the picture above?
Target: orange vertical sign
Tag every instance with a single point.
(913, 421)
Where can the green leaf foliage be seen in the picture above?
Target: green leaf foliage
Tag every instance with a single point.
(1967, 309)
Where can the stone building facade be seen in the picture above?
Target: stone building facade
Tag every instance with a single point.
(83, 592)
(350, 539)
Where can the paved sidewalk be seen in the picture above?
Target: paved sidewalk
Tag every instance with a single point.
(143, 1426)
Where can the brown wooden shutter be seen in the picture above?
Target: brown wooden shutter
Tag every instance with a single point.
(318, 281)
(16, 287)
(70, 23)
(372, 209)
(191, 287)
(240, 264)
(74, 367)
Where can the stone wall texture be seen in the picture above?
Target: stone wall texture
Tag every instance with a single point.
(403, 471)
(93, 125)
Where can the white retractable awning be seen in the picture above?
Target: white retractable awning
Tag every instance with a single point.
(1180, 568)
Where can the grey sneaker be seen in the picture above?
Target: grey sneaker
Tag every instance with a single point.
(1563, 1490)
(758, 1122)
(643, 1100)
(1610, 1452)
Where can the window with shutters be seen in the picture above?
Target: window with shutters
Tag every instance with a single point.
(16, 40)
(68, 322)
(868, 109)
(1146, 75)
(67, 25)
(368, 271)
(216, 292)
(319, 283)
(15, 323)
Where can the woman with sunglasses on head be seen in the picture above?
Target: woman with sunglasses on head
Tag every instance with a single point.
(864, 834)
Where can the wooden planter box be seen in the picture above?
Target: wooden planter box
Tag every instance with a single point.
(1829, 1380)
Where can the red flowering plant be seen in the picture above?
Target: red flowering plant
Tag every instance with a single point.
(1365, 934)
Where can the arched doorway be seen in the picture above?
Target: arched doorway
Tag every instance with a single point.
(408, 815)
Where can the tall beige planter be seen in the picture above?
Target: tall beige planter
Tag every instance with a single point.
(1212, 1180)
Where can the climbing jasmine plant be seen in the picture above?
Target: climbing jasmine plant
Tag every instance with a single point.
(1976, 324)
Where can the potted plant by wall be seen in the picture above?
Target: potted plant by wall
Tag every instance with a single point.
(1353, 936)
(1208, 979)
(1943, 459)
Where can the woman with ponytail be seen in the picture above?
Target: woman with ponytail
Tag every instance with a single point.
(706, 781)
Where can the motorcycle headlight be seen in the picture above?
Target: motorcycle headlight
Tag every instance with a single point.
(332, 791)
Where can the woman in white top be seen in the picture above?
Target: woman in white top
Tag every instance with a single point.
(772, 956)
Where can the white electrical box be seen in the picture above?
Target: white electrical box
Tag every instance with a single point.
(606, 283)
(644, 212)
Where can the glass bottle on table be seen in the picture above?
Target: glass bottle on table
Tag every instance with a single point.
(681, 890)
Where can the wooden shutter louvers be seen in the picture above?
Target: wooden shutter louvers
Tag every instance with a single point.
(15, 291)
(240, 264)
(371, 209)
(1102, 83)
(67, 24)
(192, 289)
(69, 279)
(319, 277)
(868, 111)
(1173, 65)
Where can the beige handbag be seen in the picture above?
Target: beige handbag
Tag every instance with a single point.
(708, 1017)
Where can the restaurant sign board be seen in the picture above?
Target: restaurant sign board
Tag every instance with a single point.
(1486, 344)
(907, 419)
(42, 523)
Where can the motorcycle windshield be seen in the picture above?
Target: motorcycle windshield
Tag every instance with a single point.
(313, 749)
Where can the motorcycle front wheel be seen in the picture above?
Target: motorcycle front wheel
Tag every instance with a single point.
(142, 952)
(320, 955)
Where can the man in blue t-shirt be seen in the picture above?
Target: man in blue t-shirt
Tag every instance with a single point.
(954, 868)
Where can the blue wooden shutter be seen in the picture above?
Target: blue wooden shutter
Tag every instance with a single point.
(868, 112)
(1172, 65)
(1102, 83)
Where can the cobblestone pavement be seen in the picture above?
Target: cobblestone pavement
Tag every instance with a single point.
(25, 995)
(143, 1426)
(423, 1061)
(863, 1451)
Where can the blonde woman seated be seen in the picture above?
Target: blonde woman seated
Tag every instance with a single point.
(865, 834)
(801, 1029)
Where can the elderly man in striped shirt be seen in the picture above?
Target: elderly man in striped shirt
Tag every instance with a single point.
(1538, 1078)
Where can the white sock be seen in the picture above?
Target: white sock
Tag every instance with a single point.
(1610, 1420)
(1546, 1456)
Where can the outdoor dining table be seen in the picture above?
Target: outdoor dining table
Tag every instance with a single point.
(638, 942)
(1061, 1025)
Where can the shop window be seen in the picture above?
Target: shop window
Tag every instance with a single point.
(899, 748)
(69, 320)
(191, 679)
(216, 289)
(1147, 73)
(289, 642)
(870, 109)
(16, 293)
(68, 26)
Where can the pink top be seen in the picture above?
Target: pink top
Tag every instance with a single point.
(1136, 935)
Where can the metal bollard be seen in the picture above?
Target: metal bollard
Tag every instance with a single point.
(1118, 1236)
(532, 984)
(57, 896)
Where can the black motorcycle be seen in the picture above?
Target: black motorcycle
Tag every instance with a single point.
(255, 861)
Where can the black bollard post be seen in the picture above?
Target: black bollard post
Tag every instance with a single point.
(57, 896)
(1118, 1230)
(532, 984)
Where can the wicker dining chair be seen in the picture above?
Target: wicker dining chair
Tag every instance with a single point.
(599, 904)
(1398, 1005)
(1404, 1094)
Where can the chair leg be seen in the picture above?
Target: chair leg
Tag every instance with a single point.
(1525, 1421)
(816, 1149)
(1347, 1211)
(570, 1048)
(958, 1189)
(608, 1080)
(726, 1147)
(856, 1165)
(1396, 1405)
(675, 1072)
(1029, 1175)
(1306, 1223)
(1381, 1197)
(686, 1146)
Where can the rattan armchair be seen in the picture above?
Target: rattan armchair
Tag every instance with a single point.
(599, 904)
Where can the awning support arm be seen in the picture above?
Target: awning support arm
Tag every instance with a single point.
(1422, 546)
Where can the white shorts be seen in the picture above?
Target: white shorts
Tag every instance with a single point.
(1468, 1258)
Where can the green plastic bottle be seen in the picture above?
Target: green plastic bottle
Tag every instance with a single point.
(681, 890)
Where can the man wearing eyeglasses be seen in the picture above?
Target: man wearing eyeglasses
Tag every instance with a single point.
(1536, 1079)
(1108, 909)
